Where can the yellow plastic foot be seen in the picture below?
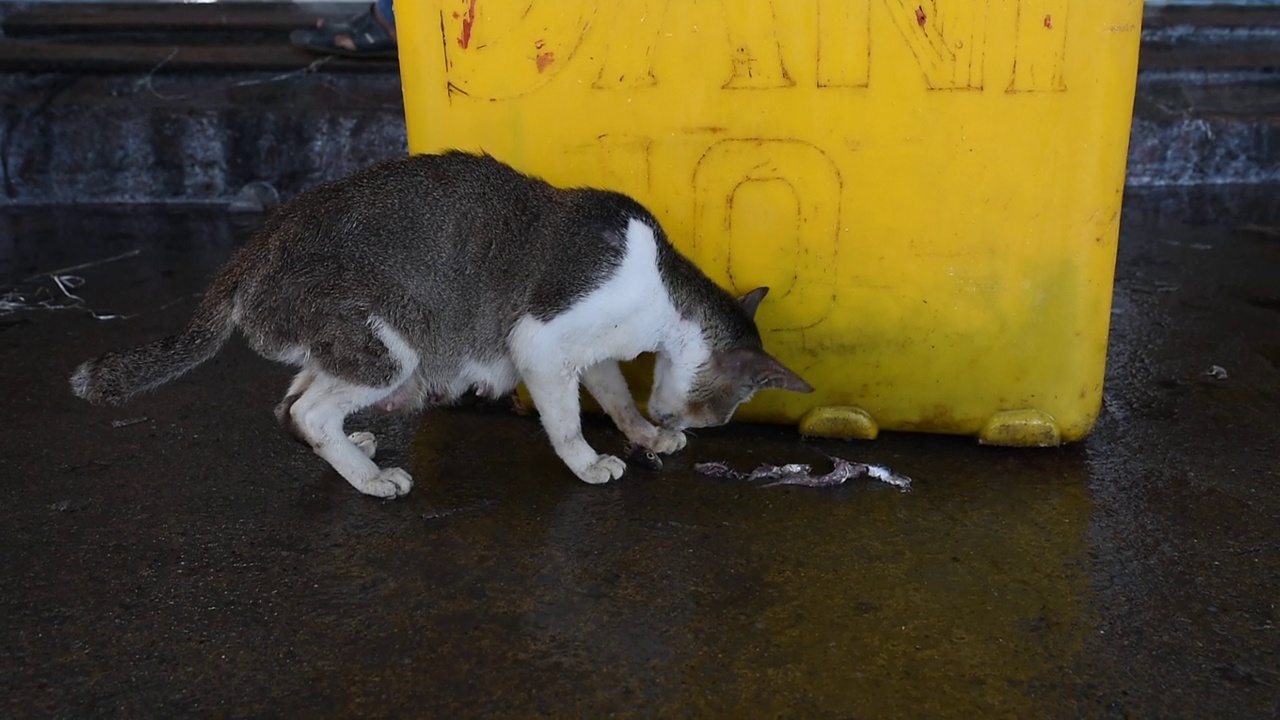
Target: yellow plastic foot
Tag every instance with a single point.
(843, 422)
(1021, 428)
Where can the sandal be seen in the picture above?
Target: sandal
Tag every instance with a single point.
(366, 33)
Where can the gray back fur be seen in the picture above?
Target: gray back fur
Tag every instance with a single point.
(451, 249)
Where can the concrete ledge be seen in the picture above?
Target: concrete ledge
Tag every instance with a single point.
(179, 139)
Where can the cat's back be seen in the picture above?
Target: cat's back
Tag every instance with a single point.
(413, 190)
(408, 210)
(448, 173)
(451, 230)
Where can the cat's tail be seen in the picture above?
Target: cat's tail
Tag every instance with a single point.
(116, 376)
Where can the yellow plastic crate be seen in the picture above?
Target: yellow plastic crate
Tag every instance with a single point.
(931, 190)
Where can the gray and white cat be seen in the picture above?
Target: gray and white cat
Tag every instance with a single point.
(413, 281)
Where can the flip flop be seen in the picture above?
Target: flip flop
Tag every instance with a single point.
(368, 36)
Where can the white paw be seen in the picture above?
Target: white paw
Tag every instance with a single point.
(604, 469)
(389, 483)
(367, 443)
(668, 441)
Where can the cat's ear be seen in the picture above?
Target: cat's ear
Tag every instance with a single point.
(751, 301)
(761, 370)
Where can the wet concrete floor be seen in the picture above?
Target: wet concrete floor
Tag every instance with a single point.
(181, 557)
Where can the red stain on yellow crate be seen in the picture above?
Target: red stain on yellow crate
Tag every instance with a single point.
(465, 38)
(545, 59)
(1048, 22)
(920, 16)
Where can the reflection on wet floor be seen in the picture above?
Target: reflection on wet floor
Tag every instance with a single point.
(181, 555)
(859, 595)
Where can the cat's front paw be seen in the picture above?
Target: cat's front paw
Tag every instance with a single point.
(668, 441)
(604, 469)
(389, 483)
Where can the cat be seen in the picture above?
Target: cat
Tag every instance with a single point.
(416, 280)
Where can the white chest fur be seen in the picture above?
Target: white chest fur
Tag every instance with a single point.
(629, 314)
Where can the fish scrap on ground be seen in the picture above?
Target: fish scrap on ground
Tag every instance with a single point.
(799, 474)
(802, 474)
(642, 456)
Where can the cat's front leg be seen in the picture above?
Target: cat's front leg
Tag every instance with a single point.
(555, 394)
(606, 384)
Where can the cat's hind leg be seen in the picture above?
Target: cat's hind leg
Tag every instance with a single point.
(606, 384)
(318, 415)
(283, 411)
(349, 376)
(366, 441)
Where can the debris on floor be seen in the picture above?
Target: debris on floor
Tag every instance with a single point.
(1217, 372)
(92, 263)
(41, 298)
(1260, 229)
(1264, 301)
(802, 474)
(67, 283)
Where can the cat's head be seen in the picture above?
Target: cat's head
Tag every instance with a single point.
(708, 394)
